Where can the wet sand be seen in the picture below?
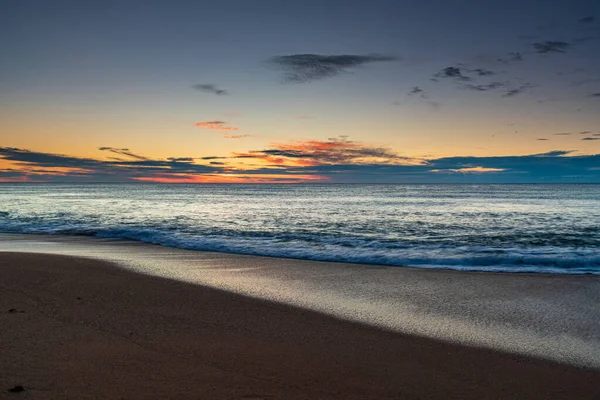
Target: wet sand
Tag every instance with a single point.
(548, 316)
(87, 329)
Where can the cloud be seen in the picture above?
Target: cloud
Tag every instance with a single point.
(484, 87)
(483, 72)
(58, 166)
(418, 92)
(551, 47)
(181, 159)
(452, 72)
(465, 76)
(518, 90)
(336, 159)
(591, 138)
(563, 134)
(542, 139)
(46, 159)
(236, 136)
(301, 68)
(216, 125)
(334, 150)
(554, 166)
(594, 95)
(123, 152)
(210, 88)
(213, 158)
(554, 153)
(415, 90)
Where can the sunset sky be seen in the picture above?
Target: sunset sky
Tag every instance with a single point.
(300, 91)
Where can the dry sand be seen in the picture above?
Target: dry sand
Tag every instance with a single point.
(75, 328)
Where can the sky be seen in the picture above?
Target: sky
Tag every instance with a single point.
(300, 91)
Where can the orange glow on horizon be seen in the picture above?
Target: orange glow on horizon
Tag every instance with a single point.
(477, 169)
(234, 178)
(18, 179)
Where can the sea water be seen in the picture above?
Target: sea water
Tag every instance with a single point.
(508, 228)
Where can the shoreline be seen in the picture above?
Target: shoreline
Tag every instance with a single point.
(108, 332)
(546, 316)
(516, 271)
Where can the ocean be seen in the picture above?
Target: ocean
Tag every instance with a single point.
(501, 228)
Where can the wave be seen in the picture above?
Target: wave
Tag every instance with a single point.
(541, 259)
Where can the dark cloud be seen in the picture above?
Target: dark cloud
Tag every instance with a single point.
(595, 94)
(337, 160)
(542, 139)
(555, 166)
(551, 47)
(123, 152)
(113, 149)
(301, 68)
(591, 138)
(46, 159)
(587, 20)
(31, 163)
(452, 72)
(554, 153)
(181, 159)
(483, 72)
(213, 158)
(485, 87)
(415, 90)
(419, 92)
(217, 163)
(210, 88)
(518, 90)
(563, 134)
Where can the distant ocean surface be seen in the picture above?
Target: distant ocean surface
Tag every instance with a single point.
(511, 228)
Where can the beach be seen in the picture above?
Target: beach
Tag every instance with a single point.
(316, 200)
(84, 328)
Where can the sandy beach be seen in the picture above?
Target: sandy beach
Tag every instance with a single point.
(87, 329)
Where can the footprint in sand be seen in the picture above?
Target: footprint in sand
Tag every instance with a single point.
(17, 389)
